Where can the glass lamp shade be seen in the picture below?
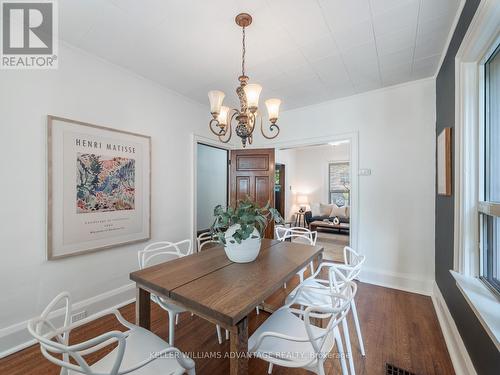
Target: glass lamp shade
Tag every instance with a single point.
(216, 97)
(273, 108)
(252, 92)
(222, 118)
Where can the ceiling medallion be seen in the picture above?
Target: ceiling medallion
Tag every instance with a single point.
(248, 95)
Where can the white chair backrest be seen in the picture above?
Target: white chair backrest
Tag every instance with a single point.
(296, 233)
(322, 343)
(341, 303)
(354, 260)
(205, 239)
(44, 331)
(163, 251)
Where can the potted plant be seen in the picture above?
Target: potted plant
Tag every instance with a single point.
(241, 229)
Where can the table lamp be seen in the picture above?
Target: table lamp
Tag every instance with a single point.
(302, 201)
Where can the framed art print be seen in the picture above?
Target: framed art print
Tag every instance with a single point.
(99, 183)
(444, 162)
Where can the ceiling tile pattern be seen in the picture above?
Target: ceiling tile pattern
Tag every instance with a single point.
(302, 51)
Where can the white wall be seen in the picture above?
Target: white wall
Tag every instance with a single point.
(211, 183)
(396, 129)
(88, 89)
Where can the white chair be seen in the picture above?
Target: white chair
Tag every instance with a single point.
(298, 234)
(338, 275)
(205, 239)
(163, 251)
(136, 352)
(288, 337)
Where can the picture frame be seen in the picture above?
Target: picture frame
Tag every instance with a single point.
(443, 156)
(99, 187)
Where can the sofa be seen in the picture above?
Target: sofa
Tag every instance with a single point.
(327, 211)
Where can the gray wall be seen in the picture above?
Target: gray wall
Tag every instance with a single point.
(482, 351)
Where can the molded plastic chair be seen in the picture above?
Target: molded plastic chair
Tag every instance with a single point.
(298, 234)
(205, 239)
(163, 251)
(338, 275)
(289, 338)
(136, 352)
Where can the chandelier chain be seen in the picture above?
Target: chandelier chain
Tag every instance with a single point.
(243, 54)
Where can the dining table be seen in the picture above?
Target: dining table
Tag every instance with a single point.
(213, 287)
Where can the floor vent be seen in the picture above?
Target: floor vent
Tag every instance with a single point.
(393, 370)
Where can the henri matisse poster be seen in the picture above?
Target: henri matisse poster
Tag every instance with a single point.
(99, 187)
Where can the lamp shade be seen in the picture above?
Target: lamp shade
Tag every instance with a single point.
(222, 118)
(302, 199)
(215, 97)
(273, 108)
(252, 92)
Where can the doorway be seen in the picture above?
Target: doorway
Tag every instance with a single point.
(212, 179)
(319, 178)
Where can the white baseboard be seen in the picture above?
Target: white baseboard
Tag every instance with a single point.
(406, 282)
(458, 353)
(16, 337)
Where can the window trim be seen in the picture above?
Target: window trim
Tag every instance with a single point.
(328, 191)
(479, 42)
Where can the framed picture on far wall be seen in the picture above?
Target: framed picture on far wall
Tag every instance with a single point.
(99, 187)
(444, 162)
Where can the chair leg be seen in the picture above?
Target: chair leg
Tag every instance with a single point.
(301, 275)
(340, 349)
(311, 265)
(284, 285)
(358, 328)
(257, 310)
(176, 319)
(219, 335)
(345, 329)
(270, 369)
(227, 334)
(171, 326)
(321, 368)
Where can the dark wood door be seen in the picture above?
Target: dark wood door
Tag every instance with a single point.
(252, 174)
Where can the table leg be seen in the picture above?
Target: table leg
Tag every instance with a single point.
(143, 308)
(239, 348)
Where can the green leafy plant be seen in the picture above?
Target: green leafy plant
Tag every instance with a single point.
(248, 215)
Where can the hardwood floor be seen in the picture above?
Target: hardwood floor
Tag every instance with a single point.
(398, 327)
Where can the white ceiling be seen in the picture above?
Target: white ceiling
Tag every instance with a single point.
(302, 51)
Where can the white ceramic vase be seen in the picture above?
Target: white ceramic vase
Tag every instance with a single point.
(246, 251)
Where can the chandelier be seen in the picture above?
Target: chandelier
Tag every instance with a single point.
(248, 114)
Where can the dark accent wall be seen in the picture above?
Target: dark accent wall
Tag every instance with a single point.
(482, 351)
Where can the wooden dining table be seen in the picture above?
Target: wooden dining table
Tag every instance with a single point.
(221, 291)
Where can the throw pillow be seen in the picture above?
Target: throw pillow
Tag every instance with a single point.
(325, 209)
(340, 212)
(315, 211)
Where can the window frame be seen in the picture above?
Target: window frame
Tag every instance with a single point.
(481, 39)
(329, 192)
(486, 207)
